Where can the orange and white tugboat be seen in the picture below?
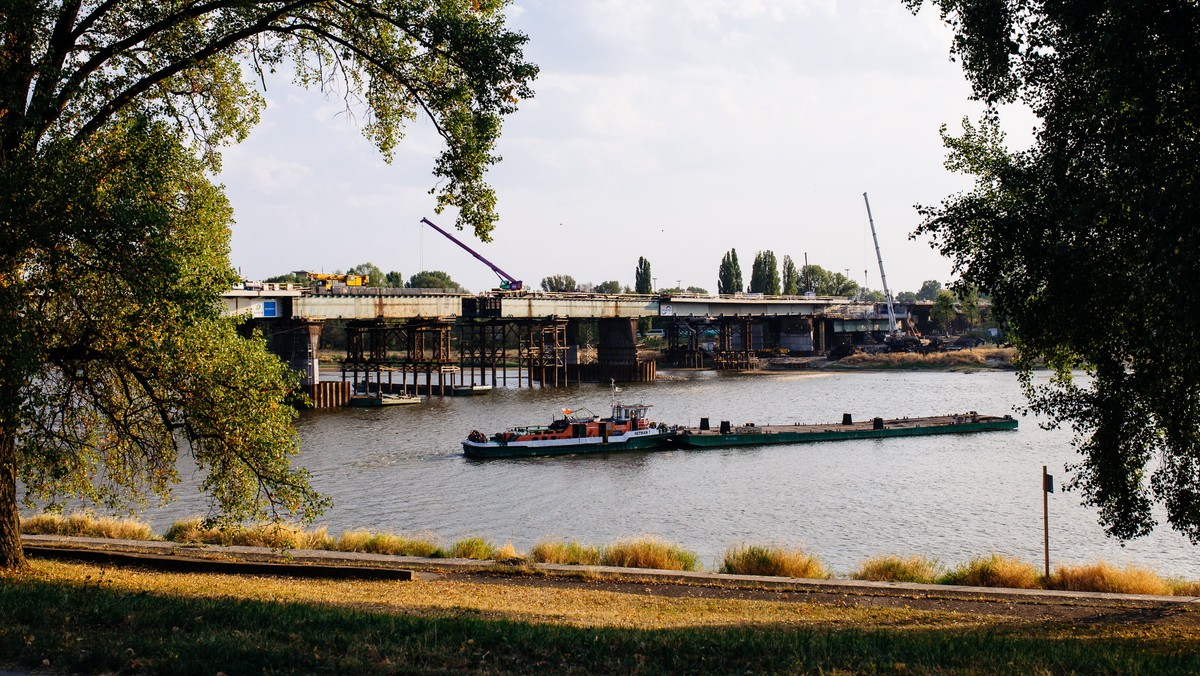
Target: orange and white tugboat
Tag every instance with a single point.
(577, 431)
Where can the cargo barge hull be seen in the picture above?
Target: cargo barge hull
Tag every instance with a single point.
(877, 428)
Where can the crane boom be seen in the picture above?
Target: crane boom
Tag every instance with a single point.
(508, 282)
(886, 292)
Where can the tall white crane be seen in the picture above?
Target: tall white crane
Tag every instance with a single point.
(886, 292)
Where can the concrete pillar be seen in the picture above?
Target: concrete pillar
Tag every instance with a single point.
(617, 344)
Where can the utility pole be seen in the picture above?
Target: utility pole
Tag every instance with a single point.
(1047, 489)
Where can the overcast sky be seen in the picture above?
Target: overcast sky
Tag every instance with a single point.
(669, 130)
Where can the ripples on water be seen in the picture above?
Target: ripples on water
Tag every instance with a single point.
(401, 469)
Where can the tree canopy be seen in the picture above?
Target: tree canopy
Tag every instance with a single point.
(643, 282)
(559, 283)
(433, 279)
(791, 277)
(729, 274)
(764, 275)
(1085, 242)
(114, 243)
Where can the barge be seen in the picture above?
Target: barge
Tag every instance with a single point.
(751, 434)
(576, 431)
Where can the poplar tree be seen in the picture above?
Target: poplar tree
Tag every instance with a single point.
(764, 276)
(729, 275)
(791, 277)
(642, 281)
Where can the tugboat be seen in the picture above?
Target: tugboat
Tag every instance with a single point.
(577, 431)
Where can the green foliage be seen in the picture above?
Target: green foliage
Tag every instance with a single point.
(906, 297)
(764, 276)
(929, 289)
(943, 311)
(114, 244)
(643, 283)
(791, 277)
(611, 286)
(827, 283)
(370, 270)
(698, 290)
(393, 280)
(729, 275)
(1086, 241)
(198, 65)
(433, 279)
(124, 261)
(289, 278)
(559, 283)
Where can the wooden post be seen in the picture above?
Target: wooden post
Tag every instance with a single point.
(1046, 517)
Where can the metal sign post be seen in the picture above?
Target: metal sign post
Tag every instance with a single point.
(1047, 489)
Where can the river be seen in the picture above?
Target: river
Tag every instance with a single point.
(401, 469)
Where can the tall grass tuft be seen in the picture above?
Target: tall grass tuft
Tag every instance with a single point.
(893, 568)
(773, 561)
(1103, 577)
(976, 357)
(274, 535)
(385, 543)
(996, 570)
(508, 554)
(563, 552)
(85, 524)
(648, 552)
(473, 548)
(1181, 587)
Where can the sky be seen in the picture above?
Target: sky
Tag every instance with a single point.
(673, 131)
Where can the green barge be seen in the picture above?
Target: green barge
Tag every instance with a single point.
(876, 428)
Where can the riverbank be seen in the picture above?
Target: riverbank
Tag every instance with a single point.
(102, 618)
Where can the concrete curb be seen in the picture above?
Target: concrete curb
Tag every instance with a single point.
(321, 563)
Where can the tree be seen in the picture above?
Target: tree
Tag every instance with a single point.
(1086, 241)
(791, 277)
(827, 283)
(764, 276)
(288, 278)
(128, 360)
(906, 297)
(559, 283)
(612, 286)
(729, 275)
(643, 283)
(114, 244)
(373, 273)
(698, 290)
(433, 279)
(929, 289)
(393, 280)
(943, 311)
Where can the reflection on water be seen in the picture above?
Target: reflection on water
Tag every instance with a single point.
(402, 469)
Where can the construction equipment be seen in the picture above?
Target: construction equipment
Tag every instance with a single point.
(323, 279)
(892, 330)
(507, 281)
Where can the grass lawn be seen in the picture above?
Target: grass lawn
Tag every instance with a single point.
(82, 618)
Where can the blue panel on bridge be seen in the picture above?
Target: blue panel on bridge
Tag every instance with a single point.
(270, 308)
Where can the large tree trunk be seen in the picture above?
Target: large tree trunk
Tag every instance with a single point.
(12, 557)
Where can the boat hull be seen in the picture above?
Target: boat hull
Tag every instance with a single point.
(525, 449)
(785, 435)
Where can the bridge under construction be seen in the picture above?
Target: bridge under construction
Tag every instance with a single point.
(440, 343)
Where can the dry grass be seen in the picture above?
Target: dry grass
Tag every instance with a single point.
(569, 553)
(385, 543)
(648, 552)
(774, 562)
(893, 568)
(508, 553)
(85, 524)
(1181, 587)
(1103, 577)
(473, 548)
(274, 535)
(976, 357)
(996, 570)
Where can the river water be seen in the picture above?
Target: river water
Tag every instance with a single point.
(401, 469)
